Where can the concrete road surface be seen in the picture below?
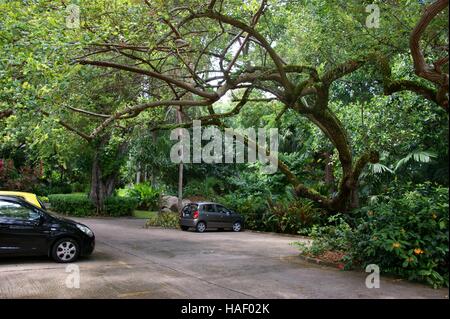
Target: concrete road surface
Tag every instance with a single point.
(133, 262)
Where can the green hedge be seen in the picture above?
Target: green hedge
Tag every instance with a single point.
(80, 205)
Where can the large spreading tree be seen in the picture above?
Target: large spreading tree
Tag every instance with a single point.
(209, 49)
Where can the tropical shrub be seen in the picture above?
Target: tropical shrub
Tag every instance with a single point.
(80, 205)
(407, 235)
(45, 190)
(335, 236)
(292, 217)
(164, 219)
(284, 216)
(147, 196)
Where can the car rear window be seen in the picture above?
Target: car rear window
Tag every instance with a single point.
(189, 209)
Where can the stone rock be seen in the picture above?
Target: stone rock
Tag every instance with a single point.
(171, 203)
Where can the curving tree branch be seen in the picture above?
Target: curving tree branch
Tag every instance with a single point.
(432, 73)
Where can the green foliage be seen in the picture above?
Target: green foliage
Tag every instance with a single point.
(407, 235)
(404, 233)
(24, 178)
(80, 205)
(147, 196)
(284, 216)
(416, 156)
(207, 188)
(164, 219)
(45, 190)
(292, 217)
(144, 214)
(252, 208)
(44, 199)
(335, 236)
(120, 206)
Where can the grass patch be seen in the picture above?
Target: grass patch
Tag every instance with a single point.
(145, 214)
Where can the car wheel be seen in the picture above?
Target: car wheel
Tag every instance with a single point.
(184, 228)
(65, 250)
(201, 227)
(237, 226)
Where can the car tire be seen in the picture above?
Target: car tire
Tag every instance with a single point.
(66, 250)
(201, 227)
(184, 228)
(237, 226)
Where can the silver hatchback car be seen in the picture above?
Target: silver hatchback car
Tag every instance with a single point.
(203, 215)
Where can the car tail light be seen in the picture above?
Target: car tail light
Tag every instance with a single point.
(195, 215)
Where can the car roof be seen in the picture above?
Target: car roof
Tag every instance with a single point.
(28, 197)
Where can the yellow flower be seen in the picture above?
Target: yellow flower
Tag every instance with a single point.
(396, 245)
(370, 213)
(434, 216)
(418, 251)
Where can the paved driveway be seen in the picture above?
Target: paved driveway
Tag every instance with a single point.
(133, 262)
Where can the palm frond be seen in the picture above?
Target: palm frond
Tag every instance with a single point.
(416, 156)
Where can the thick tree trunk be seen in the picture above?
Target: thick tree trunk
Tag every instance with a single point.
(97, 193)
(355, 199)
(347, 192)
(103, 186)
(329, 172)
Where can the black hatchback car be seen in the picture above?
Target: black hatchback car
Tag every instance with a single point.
(203, 215)
(26, 230)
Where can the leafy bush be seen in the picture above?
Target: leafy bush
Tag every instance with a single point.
(80, 205)
(120, 206)
(292, 217)
(45, 190)
(44, 199)
(147, 196)
(407, 235)
(164, 219)
(335, 236)
(285, 216)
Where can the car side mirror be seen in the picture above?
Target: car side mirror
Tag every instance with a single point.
(39, 220)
